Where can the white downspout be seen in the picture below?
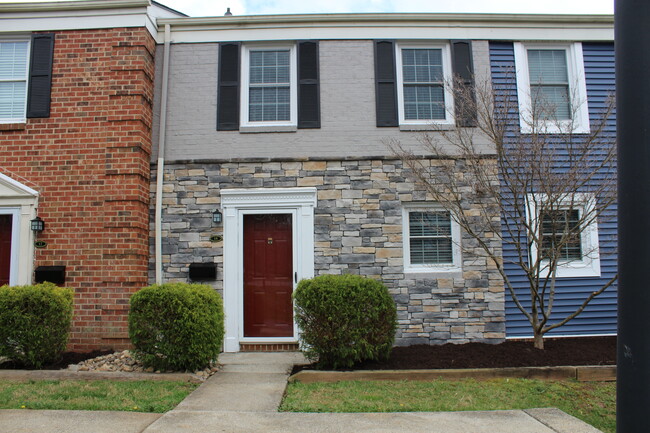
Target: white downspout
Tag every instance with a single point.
(161, 156)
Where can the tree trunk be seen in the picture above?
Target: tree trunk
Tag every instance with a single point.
(539, 341)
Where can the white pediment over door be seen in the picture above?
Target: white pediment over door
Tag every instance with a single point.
(10, 188)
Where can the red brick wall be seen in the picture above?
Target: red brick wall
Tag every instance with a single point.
(90, 163)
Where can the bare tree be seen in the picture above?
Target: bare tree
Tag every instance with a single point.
(539, 192)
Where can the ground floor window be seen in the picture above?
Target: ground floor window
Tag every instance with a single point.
(431, 239)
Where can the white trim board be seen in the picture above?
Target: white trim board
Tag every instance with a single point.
(102, 15)
(434, 31)
(300, 203)
(17, 187)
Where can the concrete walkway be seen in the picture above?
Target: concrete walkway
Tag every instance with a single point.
(244, 397)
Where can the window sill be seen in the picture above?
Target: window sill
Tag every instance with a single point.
(13, 126)
(434, 272)
(425, 127)
(575, 270)
(250, 129)
(553, 128)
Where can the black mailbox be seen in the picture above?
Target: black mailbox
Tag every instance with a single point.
(52, 274)
(203, 271)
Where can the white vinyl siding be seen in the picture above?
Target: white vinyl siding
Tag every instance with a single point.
(14, 66)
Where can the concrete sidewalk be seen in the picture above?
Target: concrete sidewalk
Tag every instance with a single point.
(244, 397)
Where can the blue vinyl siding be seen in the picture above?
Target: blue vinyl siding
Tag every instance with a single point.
(600, 315)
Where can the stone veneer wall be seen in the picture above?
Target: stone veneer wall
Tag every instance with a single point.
(358, 229)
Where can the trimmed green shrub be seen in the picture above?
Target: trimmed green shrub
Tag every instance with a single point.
(345, 319)
(34, 323)
(176, 326)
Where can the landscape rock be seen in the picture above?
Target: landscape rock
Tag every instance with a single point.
(125, 362)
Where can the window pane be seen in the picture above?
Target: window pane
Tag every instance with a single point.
(422, 65)
(269, 104)
(423, 84)
(551, 102)
(431, 251)
(549, 84)
(554, 226)
(430, 238)
(269, 67)
(423, 102)
(13, 60)
(547, 66)
(269, 92)
(12, 99)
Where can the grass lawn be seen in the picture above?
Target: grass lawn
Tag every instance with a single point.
(140, 396)
(592, 402)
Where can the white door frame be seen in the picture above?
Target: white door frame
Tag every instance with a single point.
(300, 203)
(20, 201)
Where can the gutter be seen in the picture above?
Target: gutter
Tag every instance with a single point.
(162, 127)
(316, 20)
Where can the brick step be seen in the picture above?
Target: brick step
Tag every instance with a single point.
(268, 347)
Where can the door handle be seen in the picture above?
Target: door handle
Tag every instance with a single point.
(295, 277)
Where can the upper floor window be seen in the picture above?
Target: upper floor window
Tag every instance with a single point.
(431, 239)
(423, 80)
(269, 88)
(14, 70)
(551, 88)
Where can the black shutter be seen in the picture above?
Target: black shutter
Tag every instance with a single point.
(228, 89)
(308, 86)
(40, 75)
(464, 100)
(385, 83)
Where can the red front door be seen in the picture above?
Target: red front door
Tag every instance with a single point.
(5, 248)
(268, 276)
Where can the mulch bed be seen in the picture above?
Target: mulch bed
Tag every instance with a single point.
(557, 351)
(66, 359)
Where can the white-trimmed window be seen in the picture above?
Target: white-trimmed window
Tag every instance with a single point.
(423, 79)
(14, 70)
(269, 85)
(568, 230)
(551, 88)
(431, 239)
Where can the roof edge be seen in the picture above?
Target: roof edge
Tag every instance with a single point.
(72, 5)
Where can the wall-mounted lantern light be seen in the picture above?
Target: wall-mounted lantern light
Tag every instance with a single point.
(217, 217)
(38, 225)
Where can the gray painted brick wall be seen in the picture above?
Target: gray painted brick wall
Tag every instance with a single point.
(347, 108)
